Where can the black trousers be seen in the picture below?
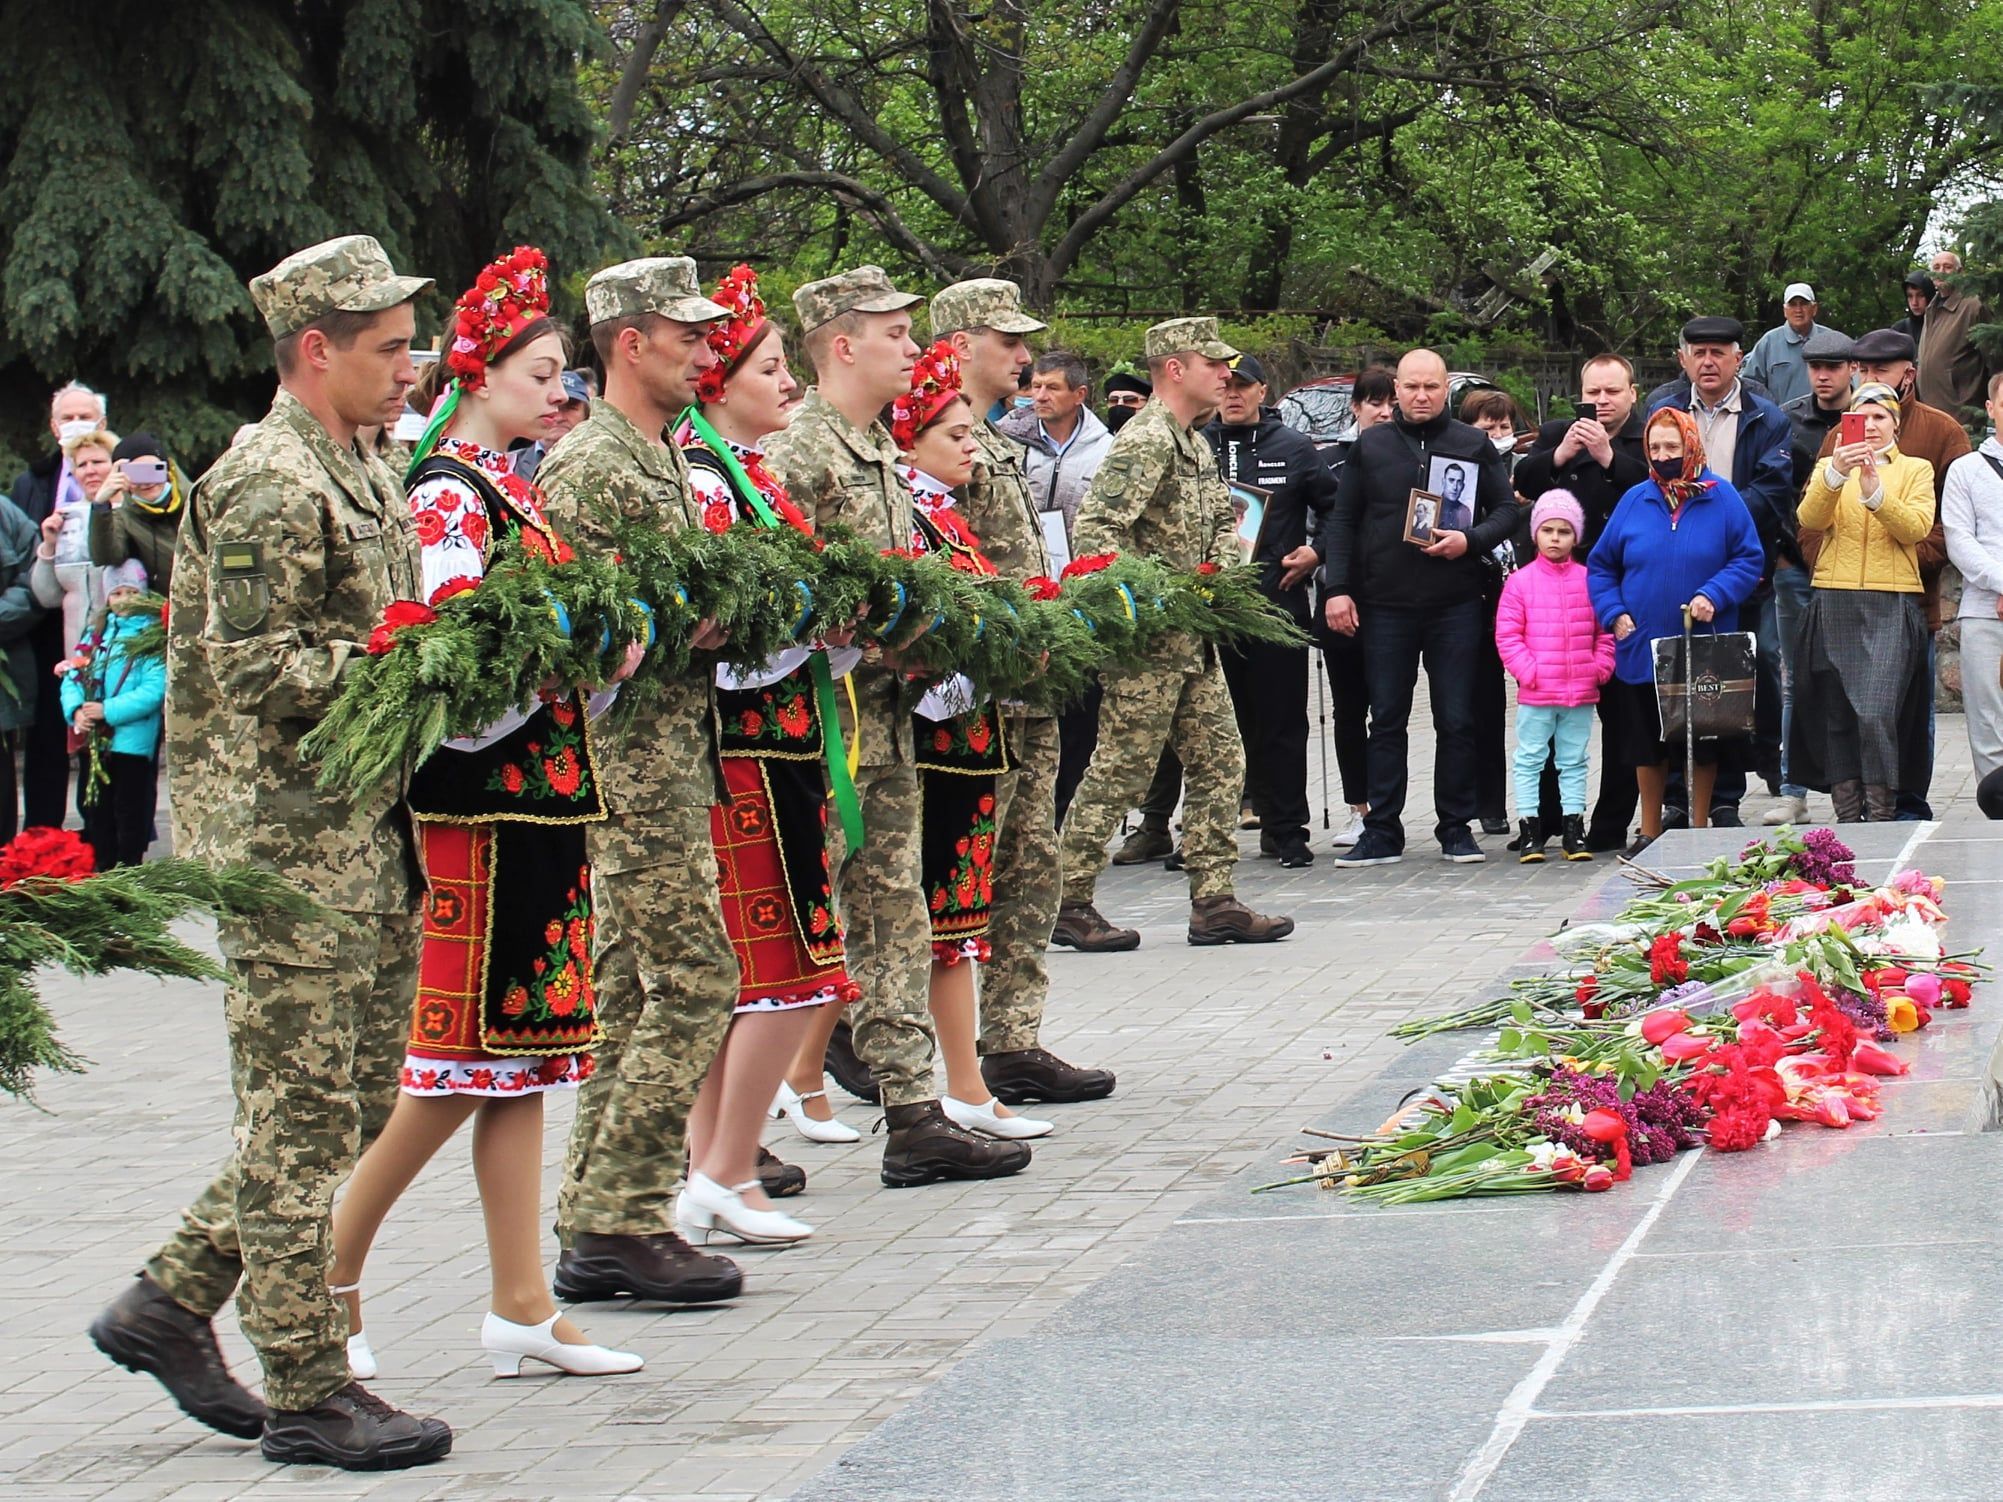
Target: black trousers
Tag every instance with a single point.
(1447, 641)
(1349, 707)
(1077, 735)
(118, 823)
(45, 775)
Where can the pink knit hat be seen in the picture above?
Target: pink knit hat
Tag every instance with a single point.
(1559, 506)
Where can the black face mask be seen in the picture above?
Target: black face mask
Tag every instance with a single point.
(1666, 469)
(1118, 417)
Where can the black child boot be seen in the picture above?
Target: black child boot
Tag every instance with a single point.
(1575, 838)
(1530, 838)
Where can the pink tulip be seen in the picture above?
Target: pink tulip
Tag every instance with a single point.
(1873, 1058)
(1924, 989)
(1684, 1047)
(1831, 1109)
(1666, 1023)
(1598, 1178)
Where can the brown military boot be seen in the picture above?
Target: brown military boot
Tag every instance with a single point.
(144, 1330)
(1226, 920)
(1142, 846)
(1080, 926)
(925, 1147)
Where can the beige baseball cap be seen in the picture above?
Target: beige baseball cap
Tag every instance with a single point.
(348, 274)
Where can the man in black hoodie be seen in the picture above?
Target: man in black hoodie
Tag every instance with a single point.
(1416, 602)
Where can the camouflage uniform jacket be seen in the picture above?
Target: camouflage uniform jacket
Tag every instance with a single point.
(292, 549)
(998, 507)
(1158, 494)
(662, 753)
(845, 476)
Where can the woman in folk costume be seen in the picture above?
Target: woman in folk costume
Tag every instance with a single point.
(505, 1006)
(771, 847)
(960, 748)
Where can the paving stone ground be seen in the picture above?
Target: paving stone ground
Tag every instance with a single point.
(1221, 1055)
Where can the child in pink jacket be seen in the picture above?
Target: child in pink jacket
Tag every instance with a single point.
(1559, 655)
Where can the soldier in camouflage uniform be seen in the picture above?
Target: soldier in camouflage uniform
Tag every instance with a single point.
(1158, 493)
(666, 974)
(839, 465)
(985, 320)
(294, 545)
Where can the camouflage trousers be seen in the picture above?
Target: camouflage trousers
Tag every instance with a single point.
(667, 982)
(318, 1014)
(1028, 880)
(881, 897)
(1141, 714)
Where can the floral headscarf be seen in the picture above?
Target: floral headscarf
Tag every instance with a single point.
(1684, 486)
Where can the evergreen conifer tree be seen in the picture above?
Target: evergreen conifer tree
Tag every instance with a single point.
(159, 153)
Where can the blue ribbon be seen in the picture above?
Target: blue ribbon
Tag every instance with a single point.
(903, 602)
(653, 631)
(562, 616)
(806, 608)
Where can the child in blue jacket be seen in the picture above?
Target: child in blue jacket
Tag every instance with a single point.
(115, 699)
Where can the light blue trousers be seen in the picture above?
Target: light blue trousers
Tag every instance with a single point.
(1565, 731)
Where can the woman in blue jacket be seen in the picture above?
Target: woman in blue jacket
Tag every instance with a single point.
(115, 698)
(1681, 537)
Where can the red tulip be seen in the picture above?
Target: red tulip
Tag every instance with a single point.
(1604, 1126)
(1666, 1023)
(1890, 975)
(1684, 1047)
(1873, 1058)
(1598, 1178)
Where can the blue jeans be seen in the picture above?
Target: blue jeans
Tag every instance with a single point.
(1396, 639)
(1565, 731)
(1780, 618)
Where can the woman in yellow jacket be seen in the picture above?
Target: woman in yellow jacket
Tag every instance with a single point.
(1858, 727)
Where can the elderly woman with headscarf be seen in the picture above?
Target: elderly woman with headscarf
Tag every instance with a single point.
(1859, 722)
(1681, 537)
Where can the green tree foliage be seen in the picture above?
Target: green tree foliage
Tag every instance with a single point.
(159, 154)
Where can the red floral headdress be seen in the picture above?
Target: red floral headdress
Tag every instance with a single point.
(935, 385)
(731, 338)
(509, 295)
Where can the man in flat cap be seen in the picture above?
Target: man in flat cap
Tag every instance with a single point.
(1159, 494)
(837, 461)
(985, 321)
(1747, 439)
(294, 544)
(1925, 432)
(666, 974)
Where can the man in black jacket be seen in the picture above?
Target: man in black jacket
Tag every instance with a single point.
(1414, 601)
(1599, 462)
(74, 410)
(1269, 684)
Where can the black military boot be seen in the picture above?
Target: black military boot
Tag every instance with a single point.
(357, 1431)
(846, 1065)
(661, 1267)
(1530, 838)
(144, 1330)
(779, 1179)
(924, 1147)
(1576, 848)
(1024, 1075)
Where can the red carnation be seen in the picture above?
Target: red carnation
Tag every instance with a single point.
(1205, 570)
(1091, 565)
(1042, 587)
(1666, 965)
(58, 854)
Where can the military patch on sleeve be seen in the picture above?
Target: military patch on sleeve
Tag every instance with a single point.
(243, 592)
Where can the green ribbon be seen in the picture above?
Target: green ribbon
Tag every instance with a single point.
(435, 429)
(847, 806)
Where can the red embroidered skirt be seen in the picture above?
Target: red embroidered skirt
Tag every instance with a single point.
(505, 1003)
(759, 904)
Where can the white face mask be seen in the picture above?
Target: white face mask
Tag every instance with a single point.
(1504, 442)
(75, 428)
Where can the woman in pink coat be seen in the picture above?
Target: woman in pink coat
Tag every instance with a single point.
(1559, 655)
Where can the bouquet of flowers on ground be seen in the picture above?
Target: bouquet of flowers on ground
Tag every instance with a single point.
(1710, 1011)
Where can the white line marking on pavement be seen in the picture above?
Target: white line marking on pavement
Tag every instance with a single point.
(1921, 829)
(1521, 1403)
(1802, 1405)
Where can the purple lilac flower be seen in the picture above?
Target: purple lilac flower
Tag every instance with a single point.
(1825, 859)
(1679, 995)
(1867, 1011)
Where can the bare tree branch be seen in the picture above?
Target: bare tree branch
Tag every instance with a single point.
(859, 196)
(1090, 132)
(633, 72)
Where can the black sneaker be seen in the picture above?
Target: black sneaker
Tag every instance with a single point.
(1494, 824)
(1674, 817)
(144, 1330)
(1726, 816)
(1374, 849)
(357, 1431)
(1294, 853)
(1458, 846)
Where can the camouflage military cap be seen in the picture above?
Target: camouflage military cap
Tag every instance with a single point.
(984, 303)
(656, 284)
(1181, 334)
(350, 274)
(866, 289)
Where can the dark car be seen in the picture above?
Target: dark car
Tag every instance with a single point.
(1320, 408)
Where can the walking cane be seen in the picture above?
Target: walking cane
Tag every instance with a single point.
(1690, 726)
(1320, 671)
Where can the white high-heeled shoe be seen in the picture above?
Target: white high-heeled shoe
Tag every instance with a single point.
(508, 1345)
(989, 1122)
(705, 1209)
(790, 1103)
(362, 1364)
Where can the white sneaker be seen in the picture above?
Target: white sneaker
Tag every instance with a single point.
(1787, 811)
(1351, 832)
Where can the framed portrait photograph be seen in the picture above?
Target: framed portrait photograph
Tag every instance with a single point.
(1249, 504)
(1422, 515)
(1453, 481)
